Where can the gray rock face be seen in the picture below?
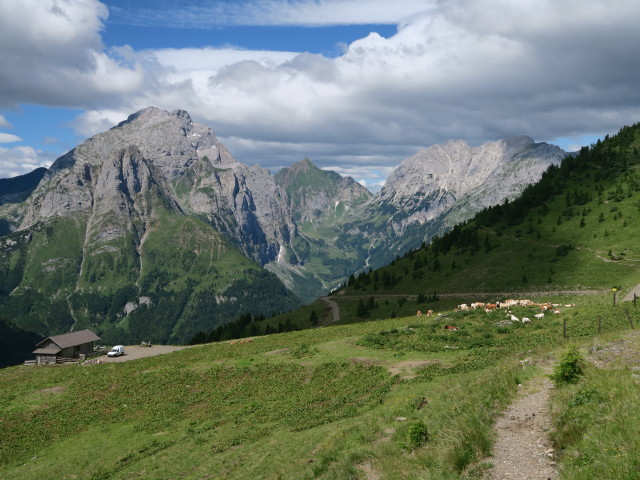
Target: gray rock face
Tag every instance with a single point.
(246, 205)
(190, 170)
(317, 195)
(430, 183)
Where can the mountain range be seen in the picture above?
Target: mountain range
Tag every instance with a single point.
(152, 230)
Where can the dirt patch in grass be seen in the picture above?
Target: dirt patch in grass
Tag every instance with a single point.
(52, 390)
(407, 369)
(365, 361)
(277, 352)
(388, 435)
(370, 473)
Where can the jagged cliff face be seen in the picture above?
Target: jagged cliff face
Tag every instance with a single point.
(321, 254)
(316, 195)
(189, 170)
(437, 178)
(246, 205)
(153, 208)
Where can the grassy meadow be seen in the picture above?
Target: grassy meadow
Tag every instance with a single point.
(401, 398)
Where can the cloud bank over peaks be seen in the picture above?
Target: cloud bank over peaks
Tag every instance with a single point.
(477, 70)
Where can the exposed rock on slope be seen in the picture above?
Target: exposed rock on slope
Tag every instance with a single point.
(432, 181)
(317, 195)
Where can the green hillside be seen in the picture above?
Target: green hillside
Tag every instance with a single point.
(184, 278)
(402, 398)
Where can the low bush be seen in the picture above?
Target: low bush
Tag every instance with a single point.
(570, 368)
(417, 435)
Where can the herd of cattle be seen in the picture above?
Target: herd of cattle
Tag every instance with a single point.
(507, 304)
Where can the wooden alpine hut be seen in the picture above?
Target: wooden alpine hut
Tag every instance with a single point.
(65, 347)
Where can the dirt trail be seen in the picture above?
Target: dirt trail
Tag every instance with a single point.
(335, 308)
(522, 450)
(629, 296)
(134, 352)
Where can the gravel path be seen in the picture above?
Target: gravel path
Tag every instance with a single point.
(629, 296)
(522, 450)
(335, 308)
(134, 352)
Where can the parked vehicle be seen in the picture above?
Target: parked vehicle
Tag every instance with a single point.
(116, 351)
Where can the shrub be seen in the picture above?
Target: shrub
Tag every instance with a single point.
(570, 368)
(584, 396)
(417, 435)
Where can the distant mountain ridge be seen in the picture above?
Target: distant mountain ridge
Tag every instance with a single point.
(156, 211)
(16, 189)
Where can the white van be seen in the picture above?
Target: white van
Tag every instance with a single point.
(116, 351)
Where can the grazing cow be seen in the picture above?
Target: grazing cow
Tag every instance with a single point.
(526, 320)
(463, 306)
(489, 306)
(539, 315)
(450, 327)
(556, 311)
(429, 313)
(419, 314)
(475, 305)
(513, 318)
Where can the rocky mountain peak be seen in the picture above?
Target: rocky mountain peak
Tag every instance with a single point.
(442, 177)
(316, 194)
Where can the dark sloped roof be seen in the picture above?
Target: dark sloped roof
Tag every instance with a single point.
(49, 350)
(72, 339)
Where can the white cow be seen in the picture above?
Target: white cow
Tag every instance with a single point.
(539, 315)
(526, 320)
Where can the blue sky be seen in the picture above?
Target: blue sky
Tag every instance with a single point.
(354, 85)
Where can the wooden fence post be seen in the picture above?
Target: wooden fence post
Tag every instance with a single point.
(626, 310)
(564, 328)
(599, 323)
(634, 299)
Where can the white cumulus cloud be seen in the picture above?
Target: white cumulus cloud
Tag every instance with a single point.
(52, 54)
(20, 160)
(9, 138)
